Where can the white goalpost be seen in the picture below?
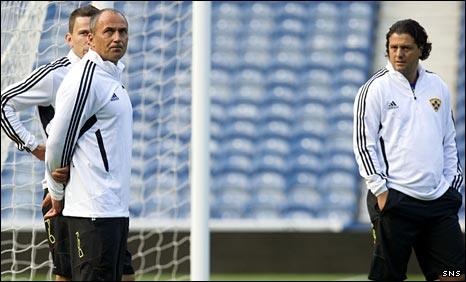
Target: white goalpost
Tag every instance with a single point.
(167, 77)
(200, 117)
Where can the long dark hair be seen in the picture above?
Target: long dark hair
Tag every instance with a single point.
(414, 29)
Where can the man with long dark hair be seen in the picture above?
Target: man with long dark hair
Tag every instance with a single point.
(404, 142)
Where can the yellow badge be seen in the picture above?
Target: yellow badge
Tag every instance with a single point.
(435, 102)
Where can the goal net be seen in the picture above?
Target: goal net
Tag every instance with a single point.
(158, 78)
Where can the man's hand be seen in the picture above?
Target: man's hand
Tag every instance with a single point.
(55, 210)
(382, 199)
(61, 175)
(47, 201)
(39, 152)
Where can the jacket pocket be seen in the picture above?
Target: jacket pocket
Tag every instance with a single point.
(100, 142)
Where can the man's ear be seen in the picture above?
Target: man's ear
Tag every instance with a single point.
(68, 39)
(90, 37)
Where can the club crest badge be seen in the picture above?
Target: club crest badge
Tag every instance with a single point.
(435, 102)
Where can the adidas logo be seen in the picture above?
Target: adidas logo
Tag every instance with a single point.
(392, 105)
(114, 97)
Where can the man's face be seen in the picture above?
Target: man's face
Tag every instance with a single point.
(77, 40)
(111, 36)
(403, 53)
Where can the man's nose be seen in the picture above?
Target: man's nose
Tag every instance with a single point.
(117, 36)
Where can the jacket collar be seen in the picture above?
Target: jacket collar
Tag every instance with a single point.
(420, 69)
(109, 67)
(73, 57)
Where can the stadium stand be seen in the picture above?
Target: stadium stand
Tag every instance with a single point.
(284, 77)
(288, 74)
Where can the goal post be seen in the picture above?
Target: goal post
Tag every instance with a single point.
(200, 117)
(169, 236)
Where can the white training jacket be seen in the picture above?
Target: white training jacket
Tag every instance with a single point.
(405, 139)
(38, 89)
(92, 131)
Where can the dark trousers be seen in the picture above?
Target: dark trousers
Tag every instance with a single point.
(431, 228)
(56, 229)
(98, 248)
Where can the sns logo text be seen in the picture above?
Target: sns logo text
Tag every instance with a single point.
(451, 273)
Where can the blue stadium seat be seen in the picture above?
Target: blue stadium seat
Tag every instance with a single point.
(345, 92)
(249, 76)
(324, 9)
(227, 60)
(317, 76)
(226, 10)
(310, 128)
(303, 180)
(259, 25)
(243, 111)
(231, 180)
(305, 196)
(274, 146)
(339, 143)
(225, 42)
(241, 129)
(307, 145)
(298, 212)
(278, 112)
(249, 93)
(311, 111)
(339, 180)
(217, 113)
(305, 163)
(352, 75)
(256, 59)
(235, 163)
(342, 111)
(342, 216)
(261, 10)
(280, 94)
(323, 58)
(322, 41)
(358, 59)
(266, 205)
(264, 179)
(232, 25)
(216, 131)
(256, 42)
(288, 42)
(289, 59)
(341, 161)
(244, 146)
(270, 163)
(282, 77)
(293, 10)
(314, 93)
(275, 129)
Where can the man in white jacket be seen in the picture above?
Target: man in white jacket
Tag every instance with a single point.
(404, 143)
(39, 90)
(96, 141)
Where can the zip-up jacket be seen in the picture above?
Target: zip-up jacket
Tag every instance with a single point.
(404, 139)
(92, 131)
(37, 90)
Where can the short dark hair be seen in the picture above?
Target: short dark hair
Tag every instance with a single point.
(85, 11)
(95, 18)
(414, 29)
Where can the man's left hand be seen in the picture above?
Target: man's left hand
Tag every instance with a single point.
(55, 210)
(61, 175)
